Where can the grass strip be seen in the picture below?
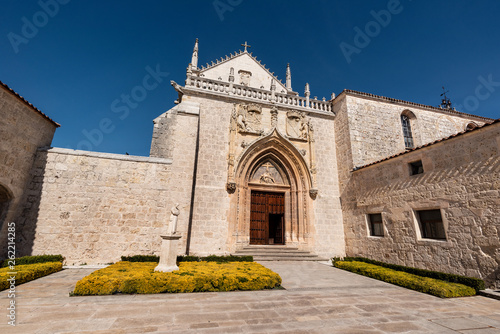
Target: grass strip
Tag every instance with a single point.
(427, 285)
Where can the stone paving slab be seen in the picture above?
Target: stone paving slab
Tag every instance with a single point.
(317, 299)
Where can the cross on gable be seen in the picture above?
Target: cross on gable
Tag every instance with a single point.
(246, 45)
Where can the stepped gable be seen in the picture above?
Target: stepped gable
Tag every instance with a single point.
(244, 65)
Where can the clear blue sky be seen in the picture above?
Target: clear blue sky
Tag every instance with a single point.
(83, 55)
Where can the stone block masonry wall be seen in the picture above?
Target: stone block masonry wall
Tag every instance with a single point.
(175, 137)
(328, 225)
(211, 202)
(461, 178)
(95, 207)
(22, 131)
(375, 130)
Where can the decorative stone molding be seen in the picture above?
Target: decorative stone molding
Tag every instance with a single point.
(313, 193)
(248, 118)
(231, 187)
(297, 125)
(274, 117)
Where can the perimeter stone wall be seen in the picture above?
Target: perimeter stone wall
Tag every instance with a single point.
(22, 131)
(461, 178)
(95, 207)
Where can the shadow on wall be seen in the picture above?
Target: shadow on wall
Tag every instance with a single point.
(5, 200)
(30, 205)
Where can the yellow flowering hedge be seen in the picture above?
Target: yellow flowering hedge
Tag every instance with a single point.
(428, 285)
(27, 272)
(140, 277)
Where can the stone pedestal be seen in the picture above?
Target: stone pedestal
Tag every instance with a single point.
(168, 255)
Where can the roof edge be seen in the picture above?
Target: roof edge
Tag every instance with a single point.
(409, 103)
(237, 54)
(29, 104)
(496, 121)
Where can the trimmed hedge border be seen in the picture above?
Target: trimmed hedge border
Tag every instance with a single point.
(34, 259)
(427, 285)
(140, 277)
(28, 272)
(190, 258)
(476, 283)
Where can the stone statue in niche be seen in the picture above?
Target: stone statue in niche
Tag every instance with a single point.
(248, 118)
(244, 77)
(297, 125)
(174, 214)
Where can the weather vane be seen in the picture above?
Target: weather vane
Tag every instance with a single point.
(445, 101)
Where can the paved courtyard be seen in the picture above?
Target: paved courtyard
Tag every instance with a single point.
(317, 299)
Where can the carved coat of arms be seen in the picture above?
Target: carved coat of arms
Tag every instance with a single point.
(297, 125)
(248, 118)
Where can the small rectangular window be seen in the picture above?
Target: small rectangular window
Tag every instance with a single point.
(431, 224)
(416, 167)
(376, 225)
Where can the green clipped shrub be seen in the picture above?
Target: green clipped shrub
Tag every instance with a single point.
(140, 277)
(427, 285)
(476, 283)
(141, 258)
(27, 272)
(190, 258)
(34, 259)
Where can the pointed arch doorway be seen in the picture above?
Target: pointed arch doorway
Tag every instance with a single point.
(267, 218)
(268, 185)
(271, 202)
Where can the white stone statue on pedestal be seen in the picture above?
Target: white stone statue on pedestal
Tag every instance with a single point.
(172, 224)
(168, 254)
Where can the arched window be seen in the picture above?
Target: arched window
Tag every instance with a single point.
(470, 126)
(408, 136)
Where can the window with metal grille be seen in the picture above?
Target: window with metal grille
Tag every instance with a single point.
(431, 224)
(405, 122)
(376, 225)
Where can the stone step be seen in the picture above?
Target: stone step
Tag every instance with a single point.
(265, 251)
(277, 253)
(270, 247)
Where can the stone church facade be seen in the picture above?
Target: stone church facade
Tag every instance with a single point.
(251, 162)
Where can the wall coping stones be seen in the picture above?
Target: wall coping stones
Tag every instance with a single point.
(112, 156)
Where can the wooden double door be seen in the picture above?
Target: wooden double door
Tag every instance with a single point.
(267, 218)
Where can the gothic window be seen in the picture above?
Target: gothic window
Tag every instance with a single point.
(375, 225)
(431, 224)
(408, 137)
